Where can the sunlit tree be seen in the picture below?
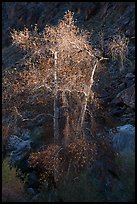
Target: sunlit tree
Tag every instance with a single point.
(62, 60)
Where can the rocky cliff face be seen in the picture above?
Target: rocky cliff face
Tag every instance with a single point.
(19, 14)
(112, 16)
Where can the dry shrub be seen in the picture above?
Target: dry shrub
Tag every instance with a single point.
(6, 131)
(47, 163)
(123, 190)
(82, 152)
(55, 162)
(83, 188)
(118, 48)
(12, 186)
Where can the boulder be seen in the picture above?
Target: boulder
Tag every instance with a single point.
(127, 97)
(25, 134)
(123, 142)
(116, 178)
(123, 139)
(129, 76)
(14, 142)
(129, 79)
(18, 148)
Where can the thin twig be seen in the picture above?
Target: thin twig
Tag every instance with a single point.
(42, 85)
(32, 119)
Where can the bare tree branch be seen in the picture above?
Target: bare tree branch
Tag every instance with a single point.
(31, 119)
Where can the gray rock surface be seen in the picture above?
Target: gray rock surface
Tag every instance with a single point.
(18, 148)
(123, 142)
(127, 96)
(124, 138)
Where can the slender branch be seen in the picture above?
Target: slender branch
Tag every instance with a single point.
(88, 111)
(43, 85)
(89, 130)
(58, 152)
(55, 107)
(32, 119)
(101, 58)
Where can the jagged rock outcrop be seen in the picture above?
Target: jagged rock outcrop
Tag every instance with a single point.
(127, 97)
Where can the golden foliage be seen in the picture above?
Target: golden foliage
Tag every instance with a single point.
(57, 161)
(72, 47)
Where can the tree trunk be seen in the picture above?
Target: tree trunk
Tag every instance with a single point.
(83, 111)
(56, 112)
(67, 127)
